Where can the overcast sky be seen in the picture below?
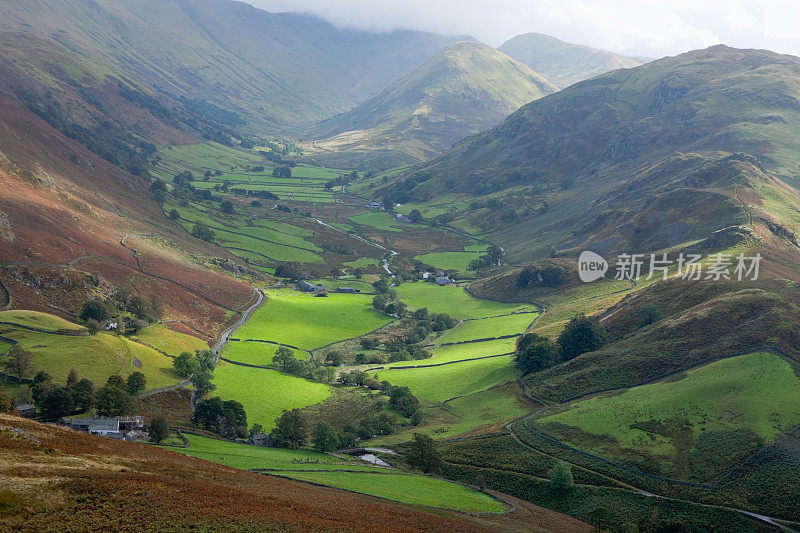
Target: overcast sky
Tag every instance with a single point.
(651, 28)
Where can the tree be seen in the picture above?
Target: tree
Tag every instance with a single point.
(290, 430)
(57, 403)
(379, 303)
(206, 360)
(95, 310)
(256, 429)
(83, 394)
(283, 357)
(333, 358)
(227, 207)
(535, 353)
(42, 385)
(173, 214)
(404, 401)
(6, 405)
(115, 380)
(282, 172)
(72, 378)
(415, 215)
(202, 383)
(324, 437)
(561, 477)
(201, 231)
(185, 364)
(19, 362)
(159, 430)
(423, 454)
(136, 383)
(114, 401)
(648, 314)
(24, 394)
(582, 334)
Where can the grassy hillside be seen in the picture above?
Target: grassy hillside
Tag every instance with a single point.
(166, 491)
(228, 61)
(563, 63)
(464, 89)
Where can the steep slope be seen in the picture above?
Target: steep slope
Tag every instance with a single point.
(99, 481)
(74, 227)
(624, 157)
(271, 70)
(563, 63)
(464, 89)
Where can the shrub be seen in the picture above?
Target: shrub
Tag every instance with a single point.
(582, 334)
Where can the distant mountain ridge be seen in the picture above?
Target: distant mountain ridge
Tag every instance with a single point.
(563, 63)
(462, 90)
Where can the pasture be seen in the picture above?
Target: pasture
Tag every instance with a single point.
(413, 489)
(169, 341)
(378, 220)
(458, 352)
(454, 300)
(757, 393)
(440, 383)
(453, 260)
(488, 327)
(308, 322)
(38, 320)
(265, 393)
(95, 357)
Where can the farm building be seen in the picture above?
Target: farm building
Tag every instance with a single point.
(260, 439)
(350, 290)
(444, 280)
(306, 286)
(374, 205)
(116, 428)
(26, 410)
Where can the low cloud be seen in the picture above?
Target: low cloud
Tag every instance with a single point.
(633, 27)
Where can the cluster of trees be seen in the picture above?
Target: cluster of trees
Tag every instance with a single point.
(582, 334)
(285, 360)
(389, 303)
(545, 276)
(282, 172)
(198, 367)
(341, 179)
(201, 231)
(423, 454)
(227, 418)
(78, 395)
(338, 248)
(492, 257)
(145, 311)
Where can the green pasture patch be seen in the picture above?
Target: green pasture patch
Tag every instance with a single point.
(247, 457)
(362, 262)
(38, 320)
(414, 489)
(95, 357)
(379, 220)
(490, 408)
(309, 322)
(265, 393)
(254, 353)
(5, 346)
(210, 155)
(759, 392)
(460, 352)
(441, 206)
(169, 341)
(450, 260)
(488, 327)
(440, 383)
(454, 300)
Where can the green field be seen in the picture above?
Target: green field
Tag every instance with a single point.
(759, 392)
(488, 407)
(454, 301)
(171, 342)
(440, 383)
(448, 203)
(96, 357)
(308, 322)
(265, 393)
(254, 353)
(379, 220)
(362, 262)
(414, 489)
(5, 346)
(488, 327)
(38, 320)
(382, 482)
(453, 260)
(458, 352)
(248, 457)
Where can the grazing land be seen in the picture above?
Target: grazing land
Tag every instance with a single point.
(308, 322)
(454, 300)
(169, 341)
(756, 394)
(489, 328)
(38, 320)
(440, 383)
(265, 393)
(461, 352)
(453, 260)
